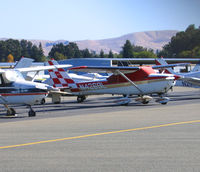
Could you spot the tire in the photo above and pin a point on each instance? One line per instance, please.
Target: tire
(145, 102)
(42, 101)
(164, 103)
(11, 112)
(80, 99)
(31, 113)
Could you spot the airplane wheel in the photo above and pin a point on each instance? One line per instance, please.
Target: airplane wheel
(125, 104)
(42, 101)
(145, 102)
(80, 99)
(11, 112)
(31, 113)
(164, 103)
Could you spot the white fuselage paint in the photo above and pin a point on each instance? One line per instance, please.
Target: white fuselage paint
(158, 86)
(21, 99)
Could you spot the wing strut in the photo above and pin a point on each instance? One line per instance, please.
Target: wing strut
(141, 92)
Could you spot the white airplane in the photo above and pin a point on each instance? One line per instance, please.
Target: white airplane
(14, 89)
(37, 77)
(190, 79)
(140, 81)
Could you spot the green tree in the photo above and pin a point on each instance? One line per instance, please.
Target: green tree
(70, 51)
(85, 53)
(110, 55)
(59, 56)
(20, 48)
(138, 48)
(3, 51)
(127, 50)
(101, 55)
(182, 43)
(144, 54)
(24, 48)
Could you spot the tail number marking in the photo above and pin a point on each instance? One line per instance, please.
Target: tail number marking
(92, 86)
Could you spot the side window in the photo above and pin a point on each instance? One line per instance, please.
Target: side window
(1, 79)
(2, 83)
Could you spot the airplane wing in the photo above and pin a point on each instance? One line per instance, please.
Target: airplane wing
(192, 80)
(124, 69)
(104, 69)
(169, 65)
(41, 68)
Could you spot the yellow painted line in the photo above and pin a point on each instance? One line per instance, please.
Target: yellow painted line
(99, 134)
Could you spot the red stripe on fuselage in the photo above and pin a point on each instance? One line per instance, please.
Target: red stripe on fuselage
(22, 94)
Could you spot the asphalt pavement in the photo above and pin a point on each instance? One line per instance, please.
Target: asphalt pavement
(97, 135)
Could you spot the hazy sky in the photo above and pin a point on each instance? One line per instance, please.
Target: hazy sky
(93, 19)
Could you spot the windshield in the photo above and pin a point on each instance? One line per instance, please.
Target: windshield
(12, 76)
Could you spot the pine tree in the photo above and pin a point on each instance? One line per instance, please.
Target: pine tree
(110, 55)
(127, 50)
(102, 54)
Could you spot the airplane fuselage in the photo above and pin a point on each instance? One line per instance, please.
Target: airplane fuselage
(21, 92)
(116, 84)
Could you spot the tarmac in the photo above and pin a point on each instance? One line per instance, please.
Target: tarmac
(97, 135)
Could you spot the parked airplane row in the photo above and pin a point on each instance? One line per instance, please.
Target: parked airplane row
(14, 89)
(142, 81)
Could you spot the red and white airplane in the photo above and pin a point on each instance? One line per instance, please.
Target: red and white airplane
(141, 81)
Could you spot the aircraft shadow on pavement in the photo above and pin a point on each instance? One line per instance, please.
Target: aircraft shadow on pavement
(93, 103)
(3, 116)
(87, 105)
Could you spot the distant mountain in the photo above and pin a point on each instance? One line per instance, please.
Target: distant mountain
(149, 39)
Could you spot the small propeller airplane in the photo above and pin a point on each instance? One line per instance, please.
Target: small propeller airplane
(190, 79)
(14, 89)
(141, 81)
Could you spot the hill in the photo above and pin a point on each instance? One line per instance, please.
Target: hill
(149, 39)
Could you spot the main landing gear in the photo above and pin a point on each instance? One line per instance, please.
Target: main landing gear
(144, 99)
(31, 112)
(42, 101)
(163, 100)
(12, 113)
(124, 101)
(81, 98)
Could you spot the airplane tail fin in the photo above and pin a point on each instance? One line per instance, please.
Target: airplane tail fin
(161, 61)
(60, 77)
(23, 63)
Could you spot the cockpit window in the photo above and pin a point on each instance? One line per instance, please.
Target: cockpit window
(11, 76)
